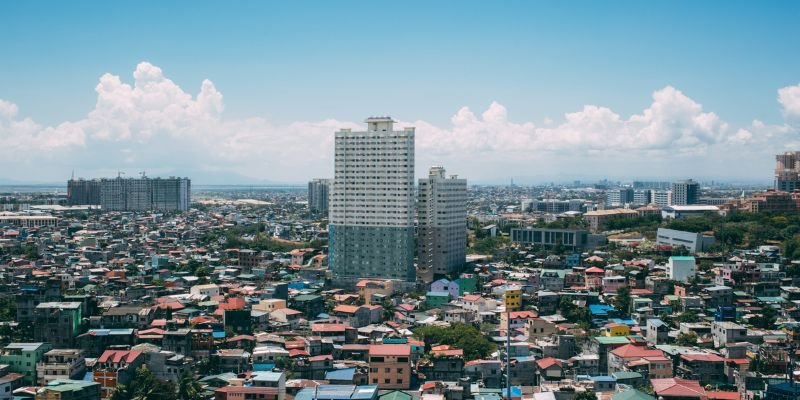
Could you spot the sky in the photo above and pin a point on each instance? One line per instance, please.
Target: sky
(252, 92)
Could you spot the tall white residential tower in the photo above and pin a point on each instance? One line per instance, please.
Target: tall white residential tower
(372, 203)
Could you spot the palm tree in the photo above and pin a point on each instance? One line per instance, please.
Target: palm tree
(189, 388)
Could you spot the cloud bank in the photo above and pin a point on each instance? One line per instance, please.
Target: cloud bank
(154, 124)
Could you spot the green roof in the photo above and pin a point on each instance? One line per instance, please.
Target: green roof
(395, 395)
(632, 394)
(306, 297)
(612, 339)
(683, 258)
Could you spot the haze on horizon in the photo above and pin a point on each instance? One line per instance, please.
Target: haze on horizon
(253, 92)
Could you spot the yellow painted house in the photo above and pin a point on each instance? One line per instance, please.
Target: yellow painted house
(616, 330)
(513, 299)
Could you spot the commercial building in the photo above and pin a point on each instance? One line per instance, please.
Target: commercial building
(685, 192)
(771, 201)
(619, 197)
(372, 203)
(145, 194)
(318, 193)
(597, 219)
(554, 206)
(676, 211)
(573, 239)
(442, 218)
(692, 241)
(661, 198)
(642, 197)
(787, 171)
(27, 221)
(83, 192)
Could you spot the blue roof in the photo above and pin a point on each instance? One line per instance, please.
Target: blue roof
(603, 378)
(437, 294)
(516, 391)
(218, 335)
(345, 374)
(599, 309)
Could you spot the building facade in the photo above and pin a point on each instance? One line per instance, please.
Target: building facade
(83, 192)
(442, 218)
(693, 242)
(318, 193)
(787, 171)
(685, 193)
(372, 203)
(145, 194)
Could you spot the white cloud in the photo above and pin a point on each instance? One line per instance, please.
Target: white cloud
(154, 124)
(789, 97)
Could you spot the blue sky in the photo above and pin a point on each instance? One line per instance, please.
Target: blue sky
(290, 62)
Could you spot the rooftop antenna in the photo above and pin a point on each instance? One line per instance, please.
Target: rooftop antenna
(142, 173)
(73, 174)
(119, 174)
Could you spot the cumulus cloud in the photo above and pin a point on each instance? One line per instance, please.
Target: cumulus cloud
(789, 98)
(153, 123)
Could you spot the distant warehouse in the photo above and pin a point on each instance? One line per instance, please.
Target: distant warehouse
(693, 242)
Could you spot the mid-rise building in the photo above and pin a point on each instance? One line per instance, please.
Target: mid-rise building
(693, 241)
(371, 226)
(442, 218)
(318, 192)
(681, 268)
(619, 197)
(642, 197)
(59, 364)
(83, 192)
(57, 323)
(573, 239)
(661, 198)
(390, 366)
(22, 358)
(787, 171)
(145, 194)
(685, 192)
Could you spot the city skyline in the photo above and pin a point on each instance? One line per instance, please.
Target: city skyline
(530, 99)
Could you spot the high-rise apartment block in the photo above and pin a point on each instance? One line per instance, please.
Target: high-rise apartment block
(685, 193)
(787, 171)
(371, 211)
(145, 194)
(83, 192)
(442, 218)
(318, 193)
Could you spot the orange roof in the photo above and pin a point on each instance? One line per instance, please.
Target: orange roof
(718, 395)
(328, 328)
(522, 314)
(595, 270)
(345, 309)
(702, 357)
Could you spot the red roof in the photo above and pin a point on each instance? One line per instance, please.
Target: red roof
(548, 362)
(297, 352)
(718, 395)
(389, 350)
(522, 314)
(116, 356)
(632, 351)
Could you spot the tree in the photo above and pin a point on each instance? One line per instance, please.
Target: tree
(687, 339)
(586, 395)
(462, 336)
(766, 320)
(189, 388)
(120, 393)
(688, 316)
(147, 387)
(622, 301)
